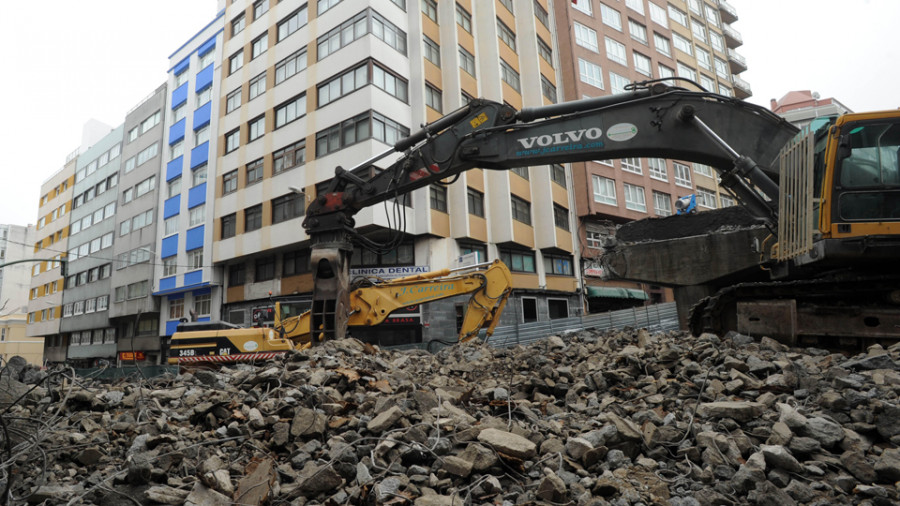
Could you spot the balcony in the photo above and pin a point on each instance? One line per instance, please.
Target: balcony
(741, 88)
(727, 12)
(733, 37)
(737, 62)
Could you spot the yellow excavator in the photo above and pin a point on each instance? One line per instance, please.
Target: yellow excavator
(371, 302)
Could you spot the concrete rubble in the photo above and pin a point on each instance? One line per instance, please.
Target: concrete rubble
(589, 418)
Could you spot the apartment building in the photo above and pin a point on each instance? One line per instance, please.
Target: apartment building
(604, 46)
(801, 107)
(187, 281)
(14, 342)
(51, 237)
(15, 280)
(133, 310)
(92, 226)
(308, 87)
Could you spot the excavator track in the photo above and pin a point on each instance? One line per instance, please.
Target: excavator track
(842, 311)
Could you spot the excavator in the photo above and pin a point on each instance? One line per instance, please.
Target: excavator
(372, 301)
(653, 118)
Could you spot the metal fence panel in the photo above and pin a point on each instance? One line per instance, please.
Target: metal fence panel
(657, 317)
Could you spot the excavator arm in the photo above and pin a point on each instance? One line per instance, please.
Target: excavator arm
(738, 139)
(372, 302)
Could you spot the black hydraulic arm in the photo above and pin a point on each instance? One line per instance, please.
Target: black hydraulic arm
(734, 137)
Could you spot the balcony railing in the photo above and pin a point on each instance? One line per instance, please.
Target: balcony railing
(738, 62)
(732, 37)
(740, 84)
(727, 12)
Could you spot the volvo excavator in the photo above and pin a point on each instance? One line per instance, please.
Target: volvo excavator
(741, 140)
(372, 301)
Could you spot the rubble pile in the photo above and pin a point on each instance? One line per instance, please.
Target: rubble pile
(589, 418)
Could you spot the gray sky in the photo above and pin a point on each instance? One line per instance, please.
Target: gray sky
(73, 61)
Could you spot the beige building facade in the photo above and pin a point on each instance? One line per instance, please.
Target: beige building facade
(308, 87)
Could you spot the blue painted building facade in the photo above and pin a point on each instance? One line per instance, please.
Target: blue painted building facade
(188, 283)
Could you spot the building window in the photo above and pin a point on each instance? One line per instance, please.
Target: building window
(257, 86)
(642, 64)
(506, 35)
(665, 72)
(616, 51)
(548, 89)
(558, 174)
(632, 165)
(520, 171)
(584, 6)
(617, 83)
(662, 44)
(463, 18)
(433, 97)
(171, 225)
(557, 265)
(707, 83)
(634, 198)
(176, 150)
(254, 171)
(290, 111)
(342, 85)
(682, 174)
(432, 50)
(202, 304)
(466, 61)
(257, 128)
(198, 176)
(586, 38)
(686, 72)
(545, 51)
(390, 83)
(265, 269)
(259, 46)
(561, 217)
(636, 5)
(662, 203)
(611, 17)
(253, 218)
(475, 200)
(682, 44)
(229, 225)
(201, 135)
(292, 23)
(195, 259)
(324, 5)
(638, 31)
(232, 140)
(403, 255)
(706, 198)
(594, 239)
(438, 198)
(229, 182)
(176, 309)
(722, 68)
(699, 30)
(236, 62)
(356, 129)
(197, 215)
(590, 73)
(289, 157)
(288, 207)
(508, 4)
(658, 169)
(236, 274)
(260, 7)
(429, 8)
(295, 262)
(604, 190)
(678, 16)
(518, 261)
(290, 66)
(521, 209)
(509, 75)
(717, 42)
(704, 170)
(727, 201)
(170, 267)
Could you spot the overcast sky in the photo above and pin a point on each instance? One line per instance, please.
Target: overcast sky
(73, 61)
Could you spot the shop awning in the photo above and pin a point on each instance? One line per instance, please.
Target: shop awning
(614, 292)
